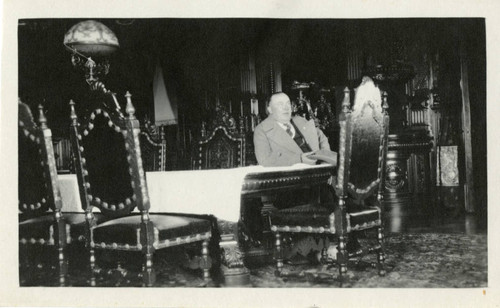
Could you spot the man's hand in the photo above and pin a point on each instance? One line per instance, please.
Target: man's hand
(306, 160)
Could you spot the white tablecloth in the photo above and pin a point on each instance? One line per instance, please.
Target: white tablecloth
(216, 192)
(70, 195)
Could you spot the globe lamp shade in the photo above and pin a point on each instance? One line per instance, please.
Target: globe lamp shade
(92, 39)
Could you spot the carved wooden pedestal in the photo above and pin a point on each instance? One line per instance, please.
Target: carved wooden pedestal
(232, 267)
(408, 171)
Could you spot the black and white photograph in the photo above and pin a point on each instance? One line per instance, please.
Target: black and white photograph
(292, 153)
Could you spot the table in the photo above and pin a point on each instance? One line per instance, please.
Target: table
(70, 195)
(222, 193)
(209, 192)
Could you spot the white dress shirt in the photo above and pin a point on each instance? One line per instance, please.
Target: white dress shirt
(292, 128)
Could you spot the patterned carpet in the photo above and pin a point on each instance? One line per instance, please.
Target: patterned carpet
(426, 260)
(412, 261)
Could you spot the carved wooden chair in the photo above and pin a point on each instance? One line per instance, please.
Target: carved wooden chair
(40, 220)
(221, 149)
(153, 148)
(223, 146)
(358, 186)
(111, 178)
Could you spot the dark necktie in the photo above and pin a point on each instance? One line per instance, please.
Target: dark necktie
(288, 129)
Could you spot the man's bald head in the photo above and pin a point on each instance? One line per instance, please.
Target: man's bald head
(279, 107)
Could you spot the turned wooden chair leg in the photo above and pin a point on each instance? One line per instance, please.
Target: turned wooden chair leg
(23, 256)
(92, 267)
(278, 254)
(149, 275)
(380, 252)
(62, 266)
(206, 264)
(342, 256)
(25, 263)
(324, 255)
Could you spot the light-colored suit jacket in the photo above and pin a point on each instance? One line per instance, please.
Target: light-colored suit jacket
(274, 147)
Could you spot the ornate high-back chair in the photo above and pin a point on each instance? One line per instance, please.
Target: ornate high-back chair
(358, 186)
(360, 174)
(40, 222)
(111, 178)
(222, 147)
(153, 148)
(220, 150)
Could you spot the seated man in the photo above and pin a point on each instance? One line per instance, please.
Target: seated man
(280, 140)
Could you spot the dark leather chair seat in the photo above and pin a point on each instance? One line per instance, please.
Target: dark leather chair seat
(367, 218)
(319, 216)
(39, 228)
(77, 223)
(124, 230)
(304, 215)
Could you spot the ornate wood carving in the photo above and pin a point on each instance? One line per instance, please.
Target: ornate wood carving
(395, 177)
(223, 118)
(154, 149)
(408, 165)
(314, 105)
(257, 184)
(220, 150)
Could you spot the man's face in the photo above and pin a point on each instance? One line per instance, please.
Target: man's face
(280, 108)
